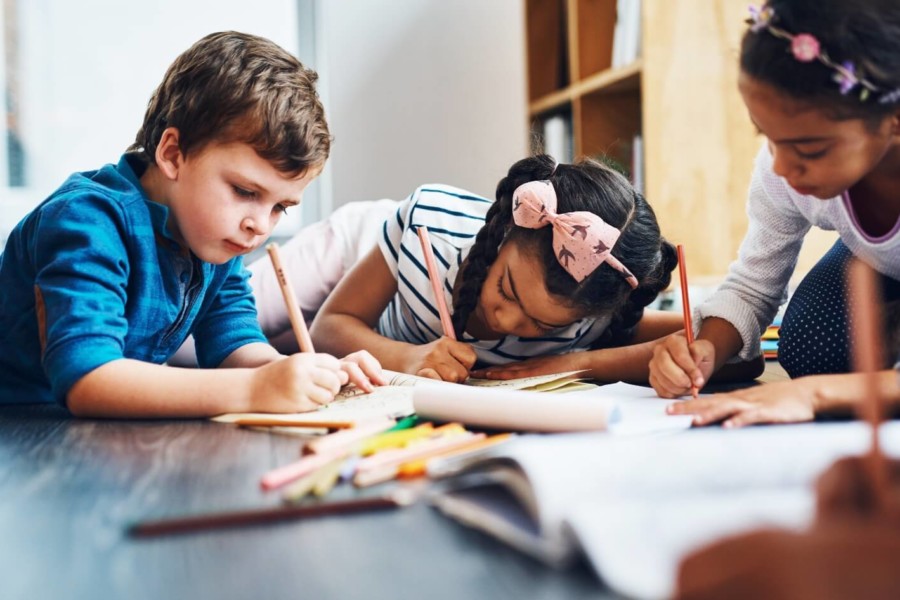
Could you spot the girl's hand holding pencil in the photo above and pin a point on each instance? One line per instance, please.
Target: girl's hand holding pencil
(677, 366)
(444, 359)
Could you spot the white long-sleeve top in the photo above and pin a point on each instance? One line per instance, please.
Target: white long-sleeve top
(780, 217)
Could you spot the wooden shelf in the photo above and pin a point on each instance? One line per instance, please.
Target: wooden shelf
(679, 98)
(610, 80)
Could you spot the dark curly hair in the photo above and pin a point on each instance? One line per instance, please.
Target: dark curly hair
(237, 87)
(866, 32)
(586, 185)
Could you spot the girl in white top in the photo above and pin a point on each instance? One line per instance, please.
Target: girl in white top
(516, 291)
(821, 80)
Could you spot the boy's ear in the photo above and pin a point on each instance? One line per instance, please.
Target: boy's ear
(168, 153)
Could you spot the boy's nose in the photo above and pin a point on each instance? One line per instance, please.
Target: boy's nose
(256, 225)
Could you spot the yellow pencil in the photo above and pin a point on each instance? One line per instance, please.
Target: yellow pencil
(290, 300)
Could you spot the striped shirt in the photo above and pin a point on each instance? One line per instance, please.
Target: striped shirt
(453, 217)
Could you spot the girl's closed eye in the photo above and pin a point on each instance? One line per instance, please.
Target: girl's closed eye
(811, 155)
(502, 292)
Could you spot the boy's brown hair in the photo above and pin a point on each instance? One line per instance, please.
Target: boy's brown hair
(236, 87)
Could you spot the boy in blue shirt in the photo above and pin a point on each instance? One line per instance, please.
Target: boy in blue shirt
(104, 280)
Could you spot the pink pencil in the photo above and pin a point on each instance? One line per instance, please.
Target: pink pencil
(431, 265)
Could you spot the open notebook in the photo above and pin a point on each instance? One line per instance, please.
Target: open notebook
(396, 399)
(635, 506)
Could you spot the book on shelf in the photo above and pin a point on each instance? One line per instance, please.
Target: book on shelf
(627, 33)
(634, 506)
(637, 162)
(557, 137)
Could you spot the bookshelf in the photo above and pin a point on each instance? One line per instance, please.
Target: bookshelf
(672, 112)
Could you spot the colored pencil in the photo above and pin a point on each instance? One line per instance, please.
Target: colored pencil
(431, 265)
(686, 305)
(290, 300)
(868, 358)
(396, 499)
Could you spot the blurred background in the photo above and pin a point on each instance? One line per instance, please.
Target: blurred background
(416, 91)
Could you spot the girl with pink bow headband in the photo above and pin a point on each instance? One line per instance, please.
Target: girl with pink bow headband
(554, 275)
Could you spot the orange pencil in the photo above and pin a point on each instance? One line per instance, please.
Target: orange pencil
(431, 265)
(290, 300)
(868, 358)
(686, 305)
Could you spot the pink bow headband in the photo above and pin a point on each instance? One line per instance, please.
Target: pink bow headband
(582, 241)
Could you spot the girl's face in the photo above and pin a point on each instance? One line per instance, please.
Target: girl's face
(815, 154)
(515, 300)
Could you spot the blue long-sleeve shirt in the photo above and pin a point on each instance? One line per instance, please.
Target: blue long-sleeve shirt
(93, 275)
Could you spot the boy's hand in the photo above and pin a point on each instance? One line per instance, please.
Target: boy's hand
(543, 365)
(444, 359)
(675, 366)
(783, 402)
(363, 369)
(296, 383)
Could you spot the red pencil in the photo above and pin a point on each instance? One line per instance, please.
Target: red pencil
(431, 265)
(396, 499)
(686, 304)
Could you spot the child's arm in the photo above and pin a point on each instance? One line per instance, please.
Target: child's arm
(347, 320)
(624, 363)
(788, 401)
(127, 388)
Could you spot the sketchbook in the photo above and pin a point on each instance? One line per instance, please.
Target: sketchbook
(635, 506)
(395, 400)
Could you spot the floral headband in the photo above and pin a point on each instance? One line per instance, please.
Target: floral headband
(806, 48)
(582, 241)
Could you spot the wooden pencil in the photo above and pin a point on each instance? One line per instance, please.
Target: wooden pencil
(431, 266)
(686, 305)
(290, 301)
(273, 514)
(868, 358)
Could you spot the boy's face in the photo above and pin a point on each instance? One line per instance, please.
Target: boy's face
(225, 199)
(816, 154)
(514, 299)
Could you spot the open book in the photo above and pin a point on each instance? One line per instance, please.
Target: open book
(396, 399)
(635, 506)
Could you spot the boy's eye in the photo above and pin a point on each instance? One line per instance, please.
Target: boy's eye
(280, 208)
(241, 192)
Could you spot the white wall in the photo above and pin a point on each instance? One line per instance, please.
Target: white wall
(89, 67)
(422, 91)
(416, 91)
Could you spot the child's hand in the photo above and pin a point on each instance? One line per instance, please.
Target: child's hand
(443, 359)
(675, 366)
(296, 383)
(783, 402)
(543, 365)
(363, 370)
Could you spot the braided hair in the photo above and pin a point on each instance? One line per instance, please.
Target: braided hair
(586, 185)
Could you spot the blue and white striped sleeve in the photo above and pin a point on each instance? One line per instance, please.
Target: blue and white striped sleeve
(392, 233)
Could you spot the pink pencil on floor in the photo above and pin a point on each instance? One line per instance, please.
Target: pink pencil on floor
(686, 305)
(290, 300)
(431, 265)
